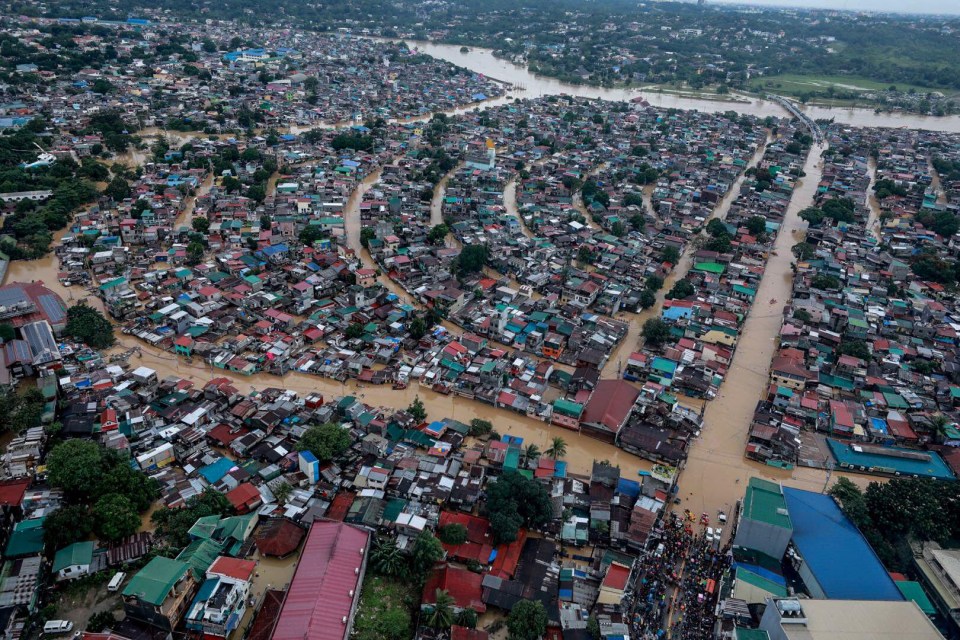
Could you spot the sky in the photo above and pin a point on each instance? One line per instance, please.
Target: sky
(923, 6)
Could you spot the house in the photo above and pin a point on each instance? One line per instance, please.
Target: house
(322, 599)
(465, 587)
(608, 408)
(160, 593)
(221, 601)
(73, 561)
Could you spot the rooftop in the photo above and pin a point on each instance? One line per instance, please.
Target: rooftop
(764, 502)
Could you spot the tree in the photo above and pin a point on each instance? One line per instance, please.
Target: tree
(717, 228)
(311, 233)
(514, 501)
(172, 525)
(467, 618)
(655, 332)
(135, 485)
(88, 325)
(282, 492)
(354, 331)
(531, 452)
(654, 282)
(441, 613)
(418, 328)
(682, 289)
(527, 620)
(855, 348)
(756, 225)
(366, 235)
(472, 259)
(426, 552)
(825, 281)
(647, 299)
(66, 525)
(386, 559)
(670, 254)
(803, 250)
(76, 466)
(325, 441)
(115, 517)
(437, 234)
(557, 448)
(453, 534)
(195, 252)
(417, 410)
(118, 189)
(257, 193)
(100, 621)
(480, 427)
(201, 224)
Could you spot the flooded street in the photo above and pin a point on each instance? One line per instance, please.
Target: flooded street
(716, 468)
(716, 471)
(436, 204)
(873, 221)
(618, 358)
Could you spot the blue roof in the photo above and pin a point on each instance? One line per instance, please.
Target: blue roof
(837, 554)
(213, 473)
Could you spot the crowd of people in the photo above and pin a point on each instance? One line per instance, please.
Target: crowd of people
(675, 594)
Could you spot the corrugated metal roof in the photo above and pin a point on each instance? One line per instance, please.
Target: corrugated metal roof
(320, 597)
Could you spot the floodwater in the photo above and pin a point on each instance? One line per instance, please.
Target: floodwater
(618, 359)
(529, 85)
(716, 467)
(873, 220)
(436, 204)
(716, 471)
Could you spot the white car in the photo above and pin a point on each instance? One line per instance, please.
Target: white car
(57, 627)
(709, 535)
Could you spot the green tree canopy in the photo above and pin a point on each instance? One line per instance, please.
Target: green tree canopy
(527, 620)
(88, 325)
(325, 441)
(115, 517)
(655, 332)
(513, 501)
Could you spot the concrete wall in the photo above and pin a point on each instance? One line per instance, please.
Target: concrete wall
(763, 537)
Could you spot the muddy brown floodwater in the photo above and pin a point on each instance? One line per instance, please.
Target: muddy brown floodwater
(716, 471)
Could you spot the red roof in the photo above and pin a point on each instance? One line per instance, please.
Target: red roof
(616, 577)
(464, 586)
(610, 404)
(279, 538)
(326, 585)
(233, 567)
(11, 492)
(243, 497)
(463, 633)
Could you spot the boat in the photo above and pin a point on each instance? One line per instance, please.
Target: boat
(399, 384)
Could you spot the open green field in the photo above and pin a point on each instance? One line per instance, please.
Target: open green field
(794, 85)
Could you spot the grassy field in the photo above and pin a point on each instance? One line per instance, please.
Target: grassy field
(385, 609)
(793, 85)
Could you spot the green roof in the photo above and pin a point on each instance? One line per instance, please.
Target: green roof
(709, 267)
(152, 583)
(200, 554)
(78, 553)
(913, 591)
(751, 634)
(764, 502)
(26, 539)
(568, 408)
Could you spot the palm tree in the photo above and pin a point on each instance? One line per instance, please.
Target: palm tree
(387, 559)
(282, 492)
(532, 451)
(557, 448)
(442, 615)
(938, 425)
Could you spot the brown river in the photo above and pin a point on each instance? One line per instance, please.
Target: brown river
(716, 470)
